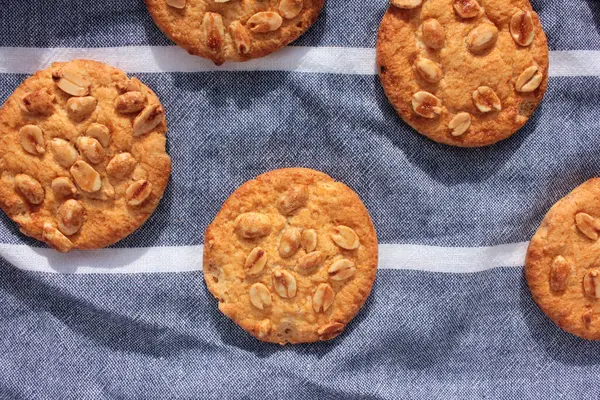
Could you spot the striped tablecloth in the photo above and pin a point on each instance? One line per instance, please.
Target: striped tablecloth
(450, 315)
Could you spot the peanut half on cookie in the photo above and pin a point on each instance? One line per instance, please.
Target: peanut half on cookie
(233, 30)
(562, 266)
(291, 256)
(82, 155)
(466, 73)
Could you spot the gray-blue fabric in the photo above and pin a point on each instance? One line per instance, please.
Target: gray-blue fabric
(420, 334)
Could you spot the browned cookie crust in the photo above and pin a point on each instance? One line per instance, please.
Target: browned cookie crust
(463, 72)
(291, 256)
(563, 262)
(233, 30)
(82, 155)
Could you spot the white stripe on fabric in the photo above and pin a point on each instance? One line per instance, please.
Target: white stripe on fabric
(451, 259)
(104, 261)
(330, 60)
(334, 60)
(189, 258)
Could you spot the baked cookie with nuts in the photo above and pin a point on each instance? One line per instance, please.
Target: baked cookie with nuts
(562, 266)
(291, 256)
(82, 155)
(233, 30)
(466, 73)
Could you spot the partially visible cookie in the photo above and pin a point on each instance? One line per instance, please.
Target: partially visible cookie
(291, 256)
(563, 262)
(466, 73)
(233, 30)
(82, 155)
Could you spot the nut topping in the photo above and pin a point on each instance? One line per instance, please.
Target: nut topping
(148, 119)
(54, 238)
(587, 225)
(121, 165)
(30, 188)
(256, 261)
(294, 198)
(459, 123)
(107, 191)
(284, 284)
(345, 237)
(308, 262)
(72, 76)
(330, 330)
(560, 271)
(467, 8)
(86, 177)
(521, 28)
(591, 284)
(129, 85)
(433, 34)
(486, 100)
(322, 298)
(91, 149)
(72, 82)
(71, 88)
(38, 102)
(482, 38)
(138, 192)
(426, 105)
(130, 102)
(252, 225)
(241, 37)
(176, 3)
(289, 242)
(213, 31)
(32, 140)
(80, 108)
(70, 217)
(260, 296)
(406, 4)
(63, 187)
(309, 240)
(100, 133)
(64, 152)
(341, 270)
(263, 328)
(286, 326)
(265, 21)
(428, 70)
(529, 80)
(290, 8)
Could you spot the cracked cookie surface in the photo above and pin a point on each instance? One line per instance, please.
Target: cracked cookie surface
(291, 256)
(562, 266)
(466, 73)
(233, 30)
(82, 155)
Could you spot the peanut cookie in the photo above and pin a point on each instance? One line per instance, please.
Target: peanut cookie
(563, 264)
(82, 155)
(233, 30)
(291, 256)
(466, 73)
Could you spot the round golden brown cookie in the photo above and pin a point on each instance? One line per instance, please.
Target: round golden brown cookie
(291, 256)
(563, 264)
(466, 73)
(233, 30)
(82, 155)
